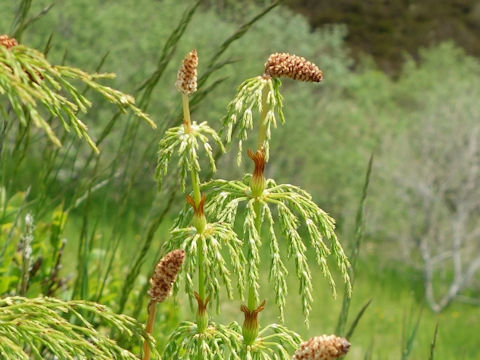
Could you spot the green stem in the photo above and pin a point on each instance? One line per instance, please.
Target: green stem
(187, 123)
(252, 299)
(262, 134)
(201, 273)
(202, 319)
(197, 196)
(262, 128)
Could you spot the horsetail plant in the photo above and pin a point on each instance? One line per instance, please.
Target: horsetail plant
(161, 285)
(35, 88)
(202, 241)
(264, 200)
(185, 138)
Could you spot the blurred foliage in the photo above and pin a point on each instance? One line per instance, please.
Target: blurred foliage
(330, 130)
(434, 116)
(37, 273)
(387, 30)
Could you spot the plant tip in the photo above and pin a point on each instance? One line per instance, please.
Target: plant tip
(324, 347)
(293, 67)
(7, 41)
(187, 74)
(165, 273)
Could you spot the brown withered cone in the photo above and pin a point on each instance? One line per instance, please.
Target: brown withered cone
(293, 67)
(325, 347)
(165, 273)
(187, 74)
(258, 158)
(7, 41)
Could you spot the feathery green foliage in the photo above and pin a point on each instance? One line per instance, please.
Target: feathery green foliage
(225, 342)
(33, 87)
(290, 203)
(201, 242)
(185, 144)
(252, 95)
(217, 342)
(42, 328)
(342, 111)
(211, 243)
(273, 342)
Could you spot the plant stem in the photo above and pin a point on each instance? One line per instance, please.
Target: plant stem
(252, 299)
(197, 196)
(186, 114)
(201, 273)
(262, 128)
(202, 319)
(152, 308)
(262, 133)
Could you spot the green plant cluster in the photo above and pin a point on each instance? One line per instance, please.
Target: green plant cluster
(28, 80)
(45, 328)
(107, 206)
(212, 226)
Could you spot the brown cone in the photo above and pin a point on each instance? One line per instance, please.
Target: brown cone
(187, 74)
(165, 274)
(7, 41)
(325, 347)
(293, 67)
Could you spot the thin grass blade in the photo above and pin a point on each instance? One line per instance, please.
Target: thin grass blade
(434, 343)
(359, 235)
(357, 319)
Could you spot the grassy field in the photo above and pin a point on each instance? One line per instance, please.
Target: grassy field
(396, 302)
(397, 298)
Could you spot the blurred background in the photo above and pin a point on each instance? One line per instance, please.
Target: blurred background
(402, 82)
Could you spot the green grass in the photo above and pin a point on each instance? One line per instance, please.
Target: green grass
(395, 290)
(387, 329)
(395, 293)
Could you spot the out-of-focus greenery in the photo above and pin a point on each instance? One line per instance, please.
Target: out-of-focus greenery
(330, 131)
(388, 30)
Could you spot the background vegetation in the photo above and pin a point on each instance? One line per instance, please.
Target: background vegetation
(420, 125)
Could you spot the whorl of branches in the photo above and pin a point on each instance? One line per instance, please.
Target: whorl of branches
(43, 328)
(37, 90)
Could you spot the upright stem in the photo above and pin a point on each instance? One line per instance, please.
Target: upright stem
(262, 133)
(262, 128)
(152, 308)
(250, 326)
(202, 317)
(186, 113)
(197, 196)
(252, 299)
(201, 273)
